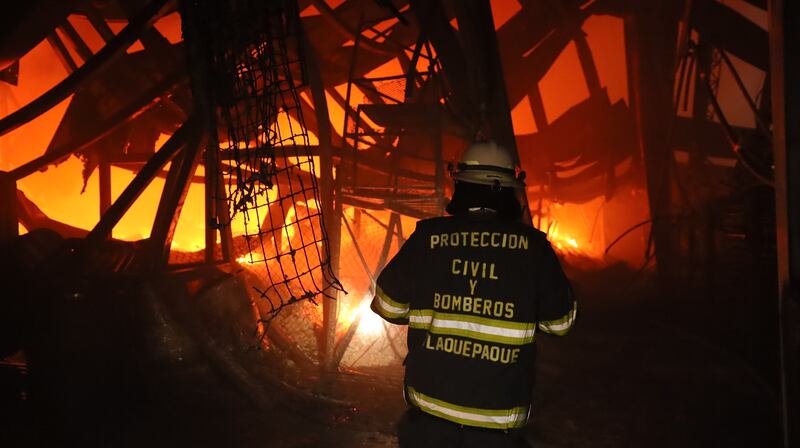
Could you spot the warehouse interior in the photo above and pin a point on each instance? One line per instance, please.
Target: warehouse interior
(197, 196)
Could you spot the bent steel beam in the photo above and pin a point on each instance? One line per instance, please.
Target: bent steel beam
(107, 222)
(147, 100)
(91, 68)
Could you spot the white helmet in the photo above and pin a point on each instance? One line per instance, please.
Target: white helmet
(487, 163)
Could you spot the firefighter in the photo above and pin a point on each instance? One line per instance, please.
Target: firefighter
(474, 288)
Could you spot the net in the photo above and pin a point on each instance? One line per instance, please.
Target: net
(249, 53)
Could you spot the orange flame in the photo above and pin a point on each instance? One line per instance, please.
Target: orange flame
(370, 324)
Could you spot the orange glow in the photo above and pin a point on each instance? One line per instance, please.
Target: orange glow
(562, 87)
(246, 259)
(390, 68)
(606, 38)
(41, 71)
(66, 203)
(370, 324)
(575, 228)
(564, 243)
(310, 11)
(296, 214)
(522, 117)
(503, 10)
(335, 112)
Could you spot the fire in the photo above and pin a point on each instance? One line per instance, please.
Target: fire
(293, 219)
(246, 259)
(575, 228)
(562, 241)
(370, 324)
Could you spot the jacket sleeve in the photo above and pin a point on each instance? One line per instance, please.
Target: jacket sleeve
(557, 306)
(394, 286)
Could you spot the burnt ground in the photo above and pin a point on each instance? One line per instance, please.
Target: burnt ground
(669, 366)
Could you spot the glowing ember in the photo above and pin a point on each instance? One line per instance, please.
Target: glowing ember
(562, 242)
(572, 242)
(247, 258)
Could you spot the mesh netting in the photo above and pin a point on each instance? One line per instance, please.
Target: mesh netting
(251, 52)
(374, 344)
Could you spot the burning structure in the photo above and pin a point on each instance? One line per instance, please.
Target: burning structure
(218, 183)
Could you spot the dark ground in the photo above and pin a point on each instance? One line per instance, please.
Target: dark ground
(644, 367)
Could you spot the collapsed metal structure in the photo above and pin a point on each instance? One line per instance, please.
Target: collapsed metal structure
(452, 83)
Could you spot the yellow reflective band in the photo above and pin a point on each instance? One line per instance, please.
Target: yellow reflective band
(482, 418)
(474, 327)
(387, 307)
(560, 327)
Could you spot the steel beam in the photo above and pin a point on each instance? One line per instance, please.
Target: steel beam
(331, 205)
(32, 217)
(173, 196)
(785, 69)
(223, 216)
(341, 347)
(728, 30)
(61, 52)
(651, 35)
(148, 99)
(435, 24)
(394, 221)
(94, 15)
(216, 207)
(102, 230)
(9, 224)
(211, 163)
(477, 31)
(76, 41)
(104, 178)
(91, 68)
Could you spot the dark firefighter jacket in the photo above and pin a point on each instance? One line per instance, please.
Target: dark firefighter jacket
(474, 291)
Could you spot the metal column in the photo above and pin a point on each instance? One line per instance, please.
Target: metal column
(9, 227)
(104, 176)
(650, 35)
(331, 207)
(784, 70)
